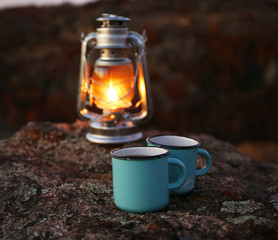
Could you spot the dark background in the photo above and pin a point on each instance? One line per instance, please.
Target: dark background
(213, 66)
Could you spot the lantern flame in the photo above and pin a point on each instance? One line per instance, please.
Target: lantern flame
(113, 86)
(112, 94)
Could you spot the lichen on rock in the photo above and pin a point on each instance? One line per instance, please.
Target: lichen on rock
(242, 219)
(241, 207)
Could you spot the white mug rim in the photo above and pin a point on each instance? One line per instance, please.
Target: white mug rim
(174, 146)
(143, 156)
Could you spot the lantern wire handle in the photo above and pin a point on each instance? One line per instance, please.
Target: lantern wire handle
(135, 75)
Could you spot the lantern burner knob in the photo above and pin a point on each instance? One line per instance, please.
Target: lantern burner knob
(108, 120)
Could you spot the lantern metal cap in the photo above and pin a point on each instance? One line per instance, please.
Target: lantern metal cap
(112, 17)
(112, 33)
(112, 20)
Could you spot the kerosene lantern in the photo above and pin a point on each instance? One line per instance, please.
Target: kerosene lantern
(114, 94)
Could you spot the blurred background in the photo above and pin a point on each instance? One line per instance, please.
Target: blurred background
(213, 65)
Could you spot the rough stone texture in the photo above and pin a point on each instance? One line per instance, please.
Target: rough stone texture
(56, 185)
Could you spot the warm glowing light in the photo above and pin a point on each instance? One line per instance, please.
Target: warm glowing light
(84, 111)
(113, 86)
(112, 95)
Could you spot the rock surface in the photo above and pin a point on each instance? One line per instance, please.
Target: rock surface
(55, 184)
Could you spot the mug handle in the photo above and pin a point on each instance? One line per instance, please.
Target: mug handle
(204, 170)
(183, 169)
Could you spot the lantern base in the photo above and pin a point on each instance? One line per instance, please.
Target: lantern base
(121, 133)
(113, 139)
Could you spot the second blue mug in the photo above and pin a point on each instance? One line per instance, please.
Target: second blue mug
(186, 150)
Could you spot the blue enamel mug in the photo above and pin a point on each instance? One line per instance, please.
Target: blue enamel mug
(187, 150)
(140, 178)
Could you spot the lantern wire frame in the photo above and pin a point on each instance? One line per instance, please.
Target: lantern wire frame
(95, 81)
